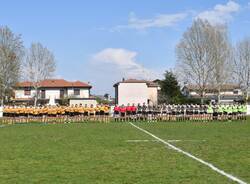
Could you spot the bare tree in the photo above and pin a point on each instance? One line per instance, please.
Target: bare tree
(11, 53)
(39, 65)
(194, 56)
(222, 58)
(242, 64)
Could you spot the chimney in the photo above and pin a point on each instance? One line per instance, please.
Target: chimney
(123, 79)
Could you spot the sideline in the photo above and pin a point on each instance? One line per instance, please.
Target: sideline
(211, 166)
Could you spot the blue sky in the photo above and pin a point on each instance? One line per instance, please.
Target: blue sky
(103, 41)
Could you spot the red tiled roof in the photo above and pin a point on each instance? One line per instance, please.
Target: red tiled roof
(149, 83)
(52, 83)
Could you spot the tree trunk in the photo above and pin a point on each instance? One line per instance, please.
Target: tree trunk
(247, 95)
(36, 96)
(218, 97)
(202, 98)
(35, 101)
(2, 98)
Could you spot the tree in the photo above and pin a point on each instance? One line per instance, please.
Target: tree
(222, 58)
(242, 64)
(170, 89)
(106, 96)
(11, 54)
(39, 65)
(202, 55)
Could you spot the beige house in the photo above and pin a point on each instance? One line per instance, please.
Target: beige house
(57, 89)
(136, 91)
(229, 93)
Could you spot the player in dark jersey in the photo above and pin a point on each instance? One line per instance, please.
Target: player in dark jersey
(149, 111)
(144, 112)
(139, 112)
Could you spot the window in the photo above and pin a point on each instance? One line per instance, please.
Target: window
(76, 92)
(27, 92)
(43, 94)
(236, 92)
(62, 92)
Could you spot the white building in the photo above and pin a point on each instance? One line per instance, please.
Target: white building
(136, 91)
(59, 89)
(229, 93)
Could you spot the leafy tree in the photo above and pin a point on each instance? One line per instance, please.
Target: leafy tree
(170, 89)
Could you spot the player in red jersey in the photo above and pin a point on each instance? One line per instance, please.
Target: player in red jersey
(133, 111)
(116, 112)
(128, 112)
(123, 110)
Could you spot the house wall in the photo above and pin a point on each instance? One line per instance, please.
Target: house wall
(193, 93)
(83, 102)
(19, 93)
(53, 93)
(84, 93)
(135, 93)
(153, 95)
(132, 93)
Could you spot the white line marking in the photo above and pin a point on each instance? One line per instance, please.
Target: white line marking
(142, 140)
(186, 140)
(146, 140)
(191, 156)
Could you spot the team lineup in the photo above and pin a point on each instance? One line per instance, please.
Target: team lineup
(140, 112)
(125, 92)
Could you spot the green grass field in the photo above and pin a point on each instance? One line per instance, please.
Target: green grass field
(109, 153)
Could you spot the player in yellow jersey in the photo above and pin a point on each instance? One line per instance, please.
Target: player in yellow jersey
(7, 114)
(11, 114)
(16, 113)
(71, 112)
(44, 112)
(106, 113)
(86, 112)
(81, 112)
(91, 112)
(22, 114)
(101, 109)
(35, 114)
(97, 112)
(60, 114)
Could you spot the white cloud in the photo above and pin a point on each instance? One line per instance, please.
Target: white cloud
(221, 13)
(159, 21)
(124, 62)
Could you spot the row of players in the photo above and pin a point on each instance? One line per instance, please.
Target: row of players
(56, 114)
(73, 110)
(131, 112)
(177, 109)
(181, 112)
